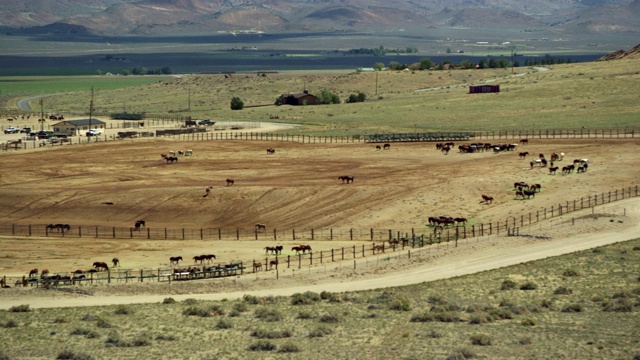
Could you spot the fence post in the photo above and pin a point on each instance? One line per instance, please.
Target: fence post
(331, 234)
(201, 234)
(371, 230)
(113, 229)
(275, 235)
(182, 233)
(312, 234)
(165, 233)
(237, 234)
(332, 260)
(350, 234)
(293, 231)
(219, 233)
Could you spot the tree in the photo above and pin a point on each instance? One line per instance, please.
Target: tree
(394, 65)
(378, 66)
(353, 98)
(166, 70)
(425, 64)
(327, 97)
(237, 103)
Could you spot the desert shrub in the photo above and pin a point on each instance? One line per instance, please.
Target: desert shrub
(435, 316)
(165, 338)
(331, 297)
(562, 290)
(70, 355)
(480, 319)
(597, 250)
(115, 340)
(529, 285)
(289, 347)
(461, 354)
(61, 320)
(434, 334)
(636, 248)
(190, 301)
(480, 339)
(20, 308)
(618, 305)
(304, 315)
(195, 311)
(270, 334)
(330, 318)
(88, 317)
(445, 308)
(262, 345)
(572, 308)
(528, 322)
(270, 315)
(169, 300)
(141, 340)
(234, 313)
(547, 303)
(437, 300)
(508, 285)
(123, 310)
(570, 272)
(102, 323)
(10, 324)
(524, 341)
(223, 324)
(370, 316)
(253, 300)
(216, 310)
(501, 313)
(241, 307)
(306, 298)
(400, 304)
(321, 331)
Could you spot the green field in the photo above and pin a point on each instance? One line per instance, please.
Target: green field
(579, 306)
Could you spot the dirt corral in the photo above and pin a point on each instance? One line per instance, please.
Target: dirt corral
(298, 186)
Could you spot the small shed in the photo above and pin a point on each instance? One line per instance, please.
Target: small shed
(303, 98)
(77, 126)
(484, 88)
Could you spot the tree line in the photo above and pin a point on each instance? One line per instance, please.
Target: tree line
(491, 63)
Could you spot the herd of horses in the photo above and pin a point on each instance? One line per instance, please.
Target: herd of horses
(59, 227)
(348, 179)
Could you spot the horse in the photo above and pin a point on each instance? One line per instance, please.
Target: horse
(101, 265)
(207, 191)
(519, 193)
(270, 249)
(33, 272)
(523, 154)
(279, 249)
(346, 178)
(386, 147)
(445, 149)
(271, 151)
(536, 187)
(298, 249)
(273, 262)
(140, 223)
(524, 141)
(175, 260)
(261, 228)
(530, 193)
(257, 266)
(487, 199)
(198, 259)
(378, 147)
(115, 262)
(552, 170)
(208, 257)
(305, 248)
(544, 162)
(230, 182)
(169, 159)
(520, 184)
(460, 220)
(378, 248)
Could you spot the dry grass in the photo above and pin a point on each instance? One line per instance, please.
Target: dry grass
(597, 320)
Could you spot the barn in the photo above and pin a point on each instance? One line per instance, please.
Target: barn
(77, 126)
(303, 98)
(483, 88)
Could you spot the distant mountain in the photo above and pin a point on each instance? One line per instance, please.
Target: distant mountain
(633, 53)
(156, 17)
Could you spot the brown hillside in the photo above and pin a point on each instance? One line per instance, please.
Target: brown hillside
(633, 53)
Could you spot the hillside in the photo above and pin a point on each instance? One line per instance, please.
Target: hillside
(633, 53)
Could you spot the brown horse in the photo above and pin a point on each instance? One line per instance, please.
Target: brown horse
(115, 262)
(377, 248)
(552, 170)
(230, 182)
(487, 199)
(175, 260)
(273, 262)
(33, 272)
(270, 249)
(346, 178)
(386, 147)
(261, 228)
(523, 154)
(257, 266)
(271, 151)
(298, 249)
(198, 259)
(98, 265)
(524, 141)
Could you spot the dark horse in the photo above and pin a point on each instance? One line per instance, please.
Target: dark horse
(230, 182)
(101, 265)
(271, 151)
(261, 227)
(115, 262)
(175, 260)
(346, 178)
(140, 223)
(487, 199)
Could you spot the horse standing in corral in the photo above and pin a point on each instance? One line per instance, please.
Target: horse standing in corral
(101, 265)
(230, 182)
(175, 260)
(169, 159)
(378, 248)
(543, 162)
(33, 272)
(270, 249)
(207, 191)
(519, 193)
(386, 147)
(272, 263)
(523, 155)
(445, 149)
(530, 193)
(271, 151)
(552, 170)
(140, 223)
(378, 147)
(198, 259)
(261, 228)
(298, 249)
(536, 187)
(460, 220)
(524, 141)
(487, 199)
(115, 261)
(346, 178)
(520, 184)
(306, 248)
(209, 257)
(279, 249)
(257, 266)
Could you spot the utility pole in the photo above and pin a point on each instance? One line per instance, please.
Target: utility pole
(376, 83)
(189, 100)
(41, 120)
(91, 108)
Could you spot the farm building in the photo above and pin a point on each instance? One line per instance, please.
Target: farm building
(78, 126)
(484, 88)
(303, 98)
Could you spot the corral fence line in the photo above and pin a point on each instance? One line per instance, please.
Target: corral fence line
(427, 233)
(393, 243)
(205, 134)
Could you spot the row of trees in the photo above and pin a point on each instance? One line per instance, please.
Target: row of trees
(491, 63)
(380, 51)
(166, 70)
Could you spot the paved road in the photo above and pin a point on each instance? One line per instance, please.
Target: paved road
(23, 104)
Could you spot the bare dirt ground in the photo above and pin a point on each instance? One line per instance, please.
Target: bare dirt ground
(295, 188)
